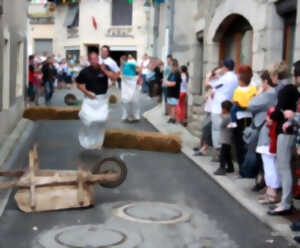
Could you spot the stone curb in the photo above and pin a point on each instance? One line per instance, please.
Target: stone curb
(237, 188)
(12, 139)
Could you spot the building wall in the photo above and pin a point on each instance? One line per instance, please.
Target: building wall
(39, 31)
(202, 18)
(13, 57)
(141, 29)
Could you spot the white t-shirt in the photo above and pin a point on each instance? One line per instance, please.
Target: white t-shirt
(224, 88)
(113, 66)
(184, 83)
(145, 64)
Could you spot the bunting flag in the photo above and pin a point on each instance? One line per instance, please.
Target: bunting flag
(95, 24)
(130, 1)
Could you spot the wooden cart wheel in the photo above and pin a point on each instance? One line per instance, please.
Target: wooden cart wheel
(111, 165)
(70, 99)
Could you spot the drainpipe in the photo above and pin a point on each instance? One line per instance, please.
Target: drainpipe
(170, 24)
(1, 54)
(156, 28)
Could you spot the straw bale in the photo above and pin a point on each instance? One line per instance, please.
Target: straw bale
(141, 140)
(51, 113)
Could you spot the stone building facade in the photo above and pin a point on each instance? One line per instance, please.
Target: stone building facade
(41, 28)
(255, 32)
(13, 63)
(88, 24)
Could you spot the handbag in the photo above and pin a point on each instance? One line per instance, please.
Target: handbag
(251, 134)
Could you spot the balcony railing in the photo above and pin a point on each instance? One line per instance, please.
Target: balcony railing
(72, 33)
(120, 32)
(36, 10)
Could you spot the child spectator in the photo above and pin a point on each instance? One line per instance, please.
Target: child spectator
(181, 108)
(267, 148)
(226, 164)
(243, 94)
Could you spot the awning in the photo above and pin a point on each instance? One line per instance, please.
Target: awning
(72, 17)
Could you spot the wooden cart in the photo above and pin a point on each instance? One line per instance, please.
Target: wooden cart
(47, 190)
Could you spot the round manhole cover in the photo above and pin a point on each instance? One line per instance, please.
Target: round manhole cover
(153, 212)
(94, 237)
(89, 236)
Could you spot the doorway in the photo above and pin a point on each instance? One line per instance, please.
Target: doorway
(116, 55)
(92, 48)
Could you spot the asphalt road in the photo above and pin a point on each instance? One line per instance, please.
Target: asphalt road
(172, 203)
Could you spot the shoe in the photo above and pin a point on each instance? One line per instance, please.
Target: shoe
(215, 160)
(200, 153)
(232, 125)
(281, 213)
(173, 121)
(297, 239)
(170, 120)
(196, 149)
(295, 227)
(220, 172)
(258, 187)
(230, 170)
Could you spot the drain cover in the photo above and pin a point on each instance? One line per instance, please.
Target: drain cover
(88, 236)
(153, 212)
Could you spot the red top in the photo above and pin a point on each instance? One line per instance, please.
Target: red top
(31, 74)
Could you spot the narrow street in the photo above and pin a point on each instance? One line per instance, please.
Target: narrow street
(166, 201)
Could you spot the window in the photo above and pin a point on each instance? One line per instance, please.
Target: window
(289, 38)
(72, 18)
(121, 13)
(20, 70)
(73, 56)
(236, 40)
(42, 46)
(6, 74)
(288, 11)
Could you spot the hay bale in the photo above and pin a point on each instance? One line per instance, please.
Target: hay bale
(51, 113)
(141, 140)
(112, 99)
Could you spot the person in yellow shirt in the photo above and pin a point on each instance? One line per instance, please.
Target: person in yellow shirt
(243, 94)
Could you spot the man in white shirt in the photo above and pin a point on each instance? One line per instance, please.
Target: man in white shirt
(145, 71)
(223, 91)
(107, 60)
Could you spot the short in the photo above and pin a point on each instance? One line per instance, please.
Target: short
(172, 101)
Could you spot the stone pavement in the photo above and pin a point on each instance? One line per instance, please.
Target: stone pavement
(239, 189)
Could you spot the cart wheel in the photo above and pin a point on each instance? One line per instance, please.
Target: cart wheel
(111, 165)
(70, 99)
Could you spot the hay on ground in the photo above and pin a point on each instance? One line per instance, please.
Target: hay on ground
(141, 140)
(51, 113)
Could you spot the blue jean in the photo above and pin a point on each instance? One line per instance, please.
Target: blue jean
(49, 90)
(145, 87)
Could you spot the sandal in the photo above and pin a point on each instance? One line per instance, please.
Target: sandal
(269, 200)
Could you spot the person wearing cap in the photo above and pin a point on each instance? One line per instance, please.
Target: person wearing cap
(223, 90)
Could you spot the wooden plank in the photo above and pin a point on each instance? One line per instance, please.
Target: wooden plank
(12, 173)
(32, 170)
(7, 185)
(80, 187)
(53, 198)
(70, 180)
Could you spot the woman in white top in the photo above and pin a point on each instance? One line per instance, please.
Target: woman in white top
(181, 110)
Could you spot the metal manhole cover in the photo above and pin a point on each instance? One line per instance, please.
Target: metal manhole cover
(94, 237)
(89, 236)
(153, 212)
